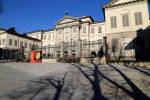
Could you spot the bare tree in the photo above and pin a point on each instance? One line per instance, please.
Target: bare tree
(117, 50)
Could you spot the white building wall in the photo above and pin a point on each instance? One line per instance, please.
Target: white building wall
(85, 35)
(96, 35)
(130, 9)
(36, 34)
(3, 36)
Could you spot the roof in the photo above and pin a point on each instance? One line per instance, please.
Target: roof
(12, 31)
(52, 29)
(83, 17)
(95, 22)
(34, 31)
(113, 3)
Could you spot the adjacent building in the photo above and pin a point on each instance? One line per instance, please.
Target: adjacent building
(11, 40)
(123, 19)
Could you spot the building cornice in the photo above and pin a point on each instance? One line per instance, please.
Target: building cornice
(34, 31)
(24, 36)
(111, 4)
(66, 23)
(84, 17)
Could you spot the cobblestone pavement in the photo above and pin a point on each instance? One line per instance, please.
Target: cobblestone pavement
(22, 81)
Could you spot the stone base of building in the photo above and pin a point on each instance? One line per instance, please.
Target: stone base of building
(95, 60)
(51, 61)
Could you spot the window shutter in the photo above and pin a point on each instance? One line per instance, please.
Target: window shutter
(125, 20)
(111, 20)
(99, 30)
(115, 22)
(138, 18)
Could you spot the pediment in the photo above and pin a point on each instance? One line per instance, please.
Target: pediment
(67, 19)
(117, 2)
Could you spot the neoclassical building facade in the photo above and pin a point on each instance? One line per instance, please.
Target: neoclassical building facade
(80, 36)
(72, 36)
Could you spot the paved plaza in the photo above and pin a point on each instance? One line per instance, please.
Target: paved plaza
(22, 81)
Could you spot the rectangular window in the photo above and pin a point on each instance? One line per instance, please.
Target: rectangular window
(44, 38)
(100, 41)
(84, 46)
(66, 43)
(41, 37)
(53, 36)
(59, 31)
(84, 29)
(21, 44)
(49, 37)
(113, 21)
(3, 41)
(26, 45)
(74, 29)
(138, 18)
(37, 36)
(0, 42)
(93, 44)
(125, 20)
(92, 30)
(99, 30)
(74, 42)
(84, 41)
(30, 46)
(15, 43)
(10, 42)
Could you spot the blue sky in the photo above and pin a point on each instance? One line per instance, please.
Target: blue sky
(30, 15)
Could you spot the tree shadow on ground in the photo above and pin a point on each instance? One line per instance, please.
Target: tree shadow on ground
(40, 89)
(137, 94)
(137, 68)
(94, 80)
(62, 87)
